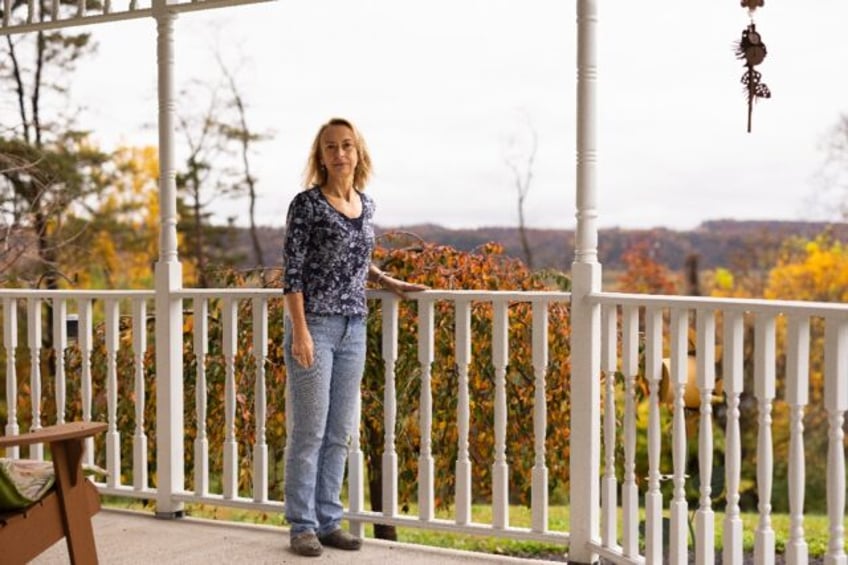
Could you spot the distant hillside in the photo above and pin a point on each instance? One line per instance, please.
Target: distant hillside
(716, 242)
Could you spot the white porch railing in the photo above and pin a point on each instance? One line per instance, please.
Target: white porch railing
(82, 305)
(638, 332)
(199, 306)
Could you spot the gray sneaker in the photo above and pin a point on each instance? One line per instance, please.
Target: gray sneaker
(341, 539)
(306, 544)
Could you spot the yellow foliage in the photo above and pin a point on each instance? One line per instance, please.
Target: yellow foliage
(124, 229)
(814, 270)
(723, 279)
(808, 270)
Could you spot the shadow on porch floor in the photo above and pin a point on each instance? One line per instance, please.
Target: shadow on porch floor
(125, 537)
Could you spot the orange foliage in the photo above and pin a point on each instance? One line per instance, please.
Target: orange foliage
(643, 274)
(438, 266)
(442, 267)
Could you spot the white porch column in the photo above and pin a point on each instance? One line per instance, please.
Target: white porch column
(169, 350)
(585, 438)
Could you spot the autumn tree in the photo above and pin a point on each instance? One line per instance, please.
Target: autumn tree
(643, 273)
(119, 246)
(801, 269)
(55, 168)
(810, 270)
(814, 270)
(747, 271)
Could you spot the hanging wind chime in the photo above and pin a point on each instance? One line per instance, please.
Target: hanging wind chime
(752, 51)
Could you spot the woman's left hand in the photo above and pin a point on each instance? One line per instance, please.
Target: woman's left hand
(400, 287)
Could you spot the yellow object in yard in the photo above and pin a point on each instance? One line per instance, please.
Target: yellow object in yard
(691, 394)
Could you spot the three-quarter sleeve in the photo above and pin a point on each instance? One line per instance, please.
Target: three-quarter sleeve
(298, 226)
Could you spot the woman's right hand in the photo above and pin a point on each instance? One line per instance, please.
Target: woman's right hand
(303, 350)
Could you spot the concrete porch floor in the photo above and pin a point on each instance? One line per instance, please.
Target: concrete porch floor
(125, 537)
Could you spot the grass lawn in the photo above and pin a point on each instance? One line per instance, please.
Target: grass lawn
(815, 527)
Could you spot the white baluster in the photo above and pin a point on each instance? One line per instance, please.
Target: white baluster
(86, 344)
(797, 396)
(540, 417)
(653, 498)
(500, 468)
(139, 436)
(60, 342)
(705, 517)
(764, 387)
(836, 402)
(463, 463)
(113, 437)
(609, 489)
(677, 379)
(390, 354)
(230, 346)
(201, 349)
(426, 473)
(629, 490)
(10, 343)
(733, 377)
(36, 450)
(260, 354)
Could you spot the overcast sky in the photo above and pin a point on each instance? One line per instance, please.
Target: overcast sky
(439, 89)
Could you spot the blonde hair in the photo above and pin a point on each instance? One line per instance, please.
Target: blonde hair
(316, 175)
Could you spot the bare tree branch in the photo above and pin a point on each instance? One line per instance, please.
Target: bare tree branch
(245, 138)
(36, 88)
(19, 87)
(522, 178)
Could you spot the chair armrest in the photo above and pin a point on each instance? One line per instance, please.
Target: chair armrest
(54, 434)
(67, 509)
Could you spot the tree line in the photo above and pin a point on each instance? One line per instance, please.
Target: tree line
(71, 211)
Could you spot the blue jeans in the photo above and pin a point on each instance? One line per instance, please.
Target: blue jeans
(323, 400)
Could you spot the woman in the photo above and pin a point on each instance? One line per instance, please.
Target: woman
(327, 258)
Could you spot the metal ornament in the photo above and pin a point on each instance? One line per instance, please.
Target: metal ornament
(752, 51)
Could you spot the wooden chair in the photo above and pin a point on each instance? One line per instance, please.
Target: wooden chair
(67, 508)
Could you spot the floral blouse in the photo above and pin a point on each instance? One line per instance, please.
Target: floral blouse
(326, 255)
